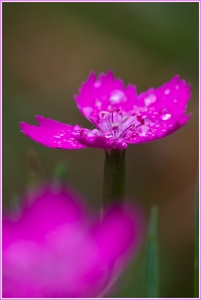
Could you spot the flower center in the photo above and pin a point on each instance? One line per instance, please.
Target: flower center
(118, 125)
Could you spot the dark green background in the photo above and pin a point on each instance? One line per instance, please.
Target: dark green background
(48, 50)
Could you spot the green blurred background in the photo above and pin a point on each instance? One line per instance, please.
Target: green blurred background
(48, 51)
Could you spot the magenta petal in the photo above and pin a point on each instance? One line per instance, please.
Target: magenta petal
(100, 94)
(120, 116)
(102, 142)
(10, 232)
(59, 206)
(158, 129)
(173, 96)
(52, 133)
(56, 249)
(119, 233)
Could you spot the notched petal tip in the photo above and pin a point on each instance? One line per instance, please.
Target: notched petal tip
(22, 125)
(176, 77)
(39, 117)
(91, 78)
(52, 133)
(107, 75)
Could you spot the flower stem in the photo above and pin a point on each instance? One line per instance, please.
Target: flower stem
(114, 176)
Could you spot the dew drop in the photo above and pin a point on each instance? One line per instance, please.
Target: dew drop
(142, 130)
(87, 110)
(148, 122)
(76, 127)
(97, 84)
(117, 96)
(92, 133)
(177, 87)
(167, 91)
(150, 99)
(109, 135)
(166, 117)
(59, 145)
(175, 100)
(76, 133)
(98, 103)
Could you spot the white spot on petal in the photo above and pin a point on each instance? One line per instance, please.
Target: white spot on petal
(167, 91)
(87, 110)
(92, 133)
(166, 117)
(150, 99)
(142, 130)
(76, 127)
(98, 103)
(117, 96)
(165, 114)
(148, 122)
(97, 84)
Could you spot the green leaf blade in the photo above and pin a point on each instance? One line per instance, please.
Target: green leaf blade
(152, 257)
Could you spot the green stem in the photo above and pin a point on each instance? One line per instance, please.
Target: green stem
(114, 176)
(152, 264)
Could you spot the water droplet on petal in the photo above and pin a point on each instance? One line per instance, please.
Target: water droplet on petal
(117, 96)
(148, 122)
(97, 84)
(87, 110)
(175, 100)
(142, 130)
(124, 145)
(166, 116)
(177, 87)
(76, 127)
(76, 132)
(150, 99)
(92, 133)
(98, 103)
(167, 91)
(108, 135)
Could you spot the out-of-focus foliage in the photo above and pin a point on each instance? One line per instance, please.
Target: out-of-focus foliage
(48, 50)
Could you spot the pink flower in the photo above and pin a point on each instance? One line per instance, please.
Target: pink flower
(56, 249)
(120, 116)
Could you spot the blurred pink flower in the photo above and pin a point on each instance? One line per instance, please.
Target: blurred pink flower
(121, 117)
(56, 249)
